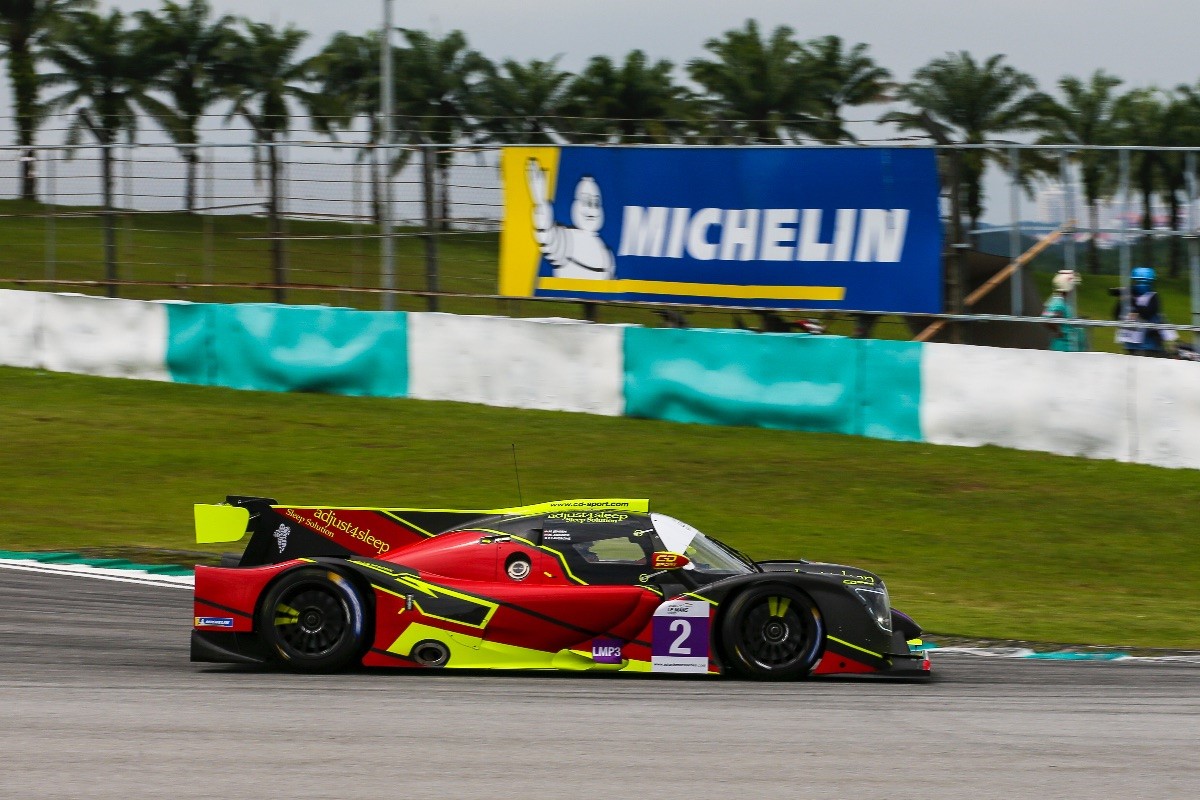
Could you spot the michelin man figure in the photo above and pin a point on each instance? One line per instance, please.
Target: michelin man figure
(575, 251)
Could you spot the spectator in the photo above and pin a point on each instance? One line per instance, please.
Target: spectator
(1067, 338)
(1142, 305)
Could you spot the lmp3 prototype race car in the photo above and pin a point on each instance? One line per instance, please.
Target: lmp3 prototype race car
(586, 585)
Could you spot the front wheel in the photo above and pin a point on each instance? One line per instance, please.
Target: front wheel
(313, 620)
(772, 632)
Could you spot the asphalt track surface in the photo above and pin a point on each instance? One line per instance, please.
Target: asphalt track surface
(98, 700)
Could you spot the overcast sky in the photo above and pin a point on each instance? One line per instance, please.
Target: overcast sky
(1148, 42)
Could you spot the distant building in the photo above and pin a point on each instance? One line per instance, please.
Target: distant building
(1052, 210)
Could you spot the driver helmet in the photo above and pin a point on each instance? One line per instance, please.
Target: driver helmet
(1065, 280)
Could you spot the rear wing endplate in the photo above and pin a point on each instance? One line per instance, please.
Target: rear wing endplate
(220, 523)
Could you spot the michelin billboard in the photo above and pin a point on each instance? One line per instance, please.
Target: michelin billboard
(835, 228)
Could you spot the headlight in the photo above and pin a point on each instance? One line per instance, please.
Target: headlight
(879, 606)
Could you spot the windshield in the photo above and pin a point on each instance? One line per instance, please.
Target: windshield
(706, 555)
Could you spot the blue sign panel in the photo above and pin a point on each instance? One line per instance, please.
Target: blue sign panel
(848, 228)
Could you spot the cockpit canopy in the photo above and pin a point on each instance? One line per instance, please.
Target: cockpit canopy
(617, 546)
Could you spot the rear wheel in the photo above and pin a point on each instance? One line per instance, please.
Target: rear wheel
(314, 620)
(772, 632)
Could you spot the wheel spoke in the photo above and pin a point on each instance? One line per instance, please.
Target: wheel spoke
(311, 619)
(776, 632)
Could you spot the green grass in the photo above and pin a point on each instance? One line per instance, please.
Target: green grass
(982, 542)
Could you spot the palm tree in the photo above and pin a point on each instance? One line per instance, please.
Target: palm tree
(635, 99)
(191, 46)
(106, 73)
(1142, 117)
(842, 78)
(26, 29)
(759, 86)
(436, 96)
(1085, 118)
(265, 77)
(517, 102)
(346, 72)
(1184, 119)
(968, 102)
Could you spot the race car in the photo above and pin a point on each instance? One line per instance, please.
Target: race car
(588, 585)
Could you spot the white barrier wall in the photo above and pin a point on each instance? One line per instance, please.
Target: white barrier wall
(1165, 400)
(85, 335)
(1073, 404)
(1095, 405)
(555, 365)
(20, 316)
(103, 336)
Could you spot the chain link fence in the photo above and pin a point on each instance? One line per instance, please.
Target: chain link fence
(304, 223)
(232, 223)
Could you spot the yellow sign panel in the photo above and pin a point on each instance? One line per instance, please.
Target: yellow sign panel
(519, 251)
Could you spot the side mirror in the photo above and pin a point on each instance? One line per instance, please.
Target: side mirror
(664, 559)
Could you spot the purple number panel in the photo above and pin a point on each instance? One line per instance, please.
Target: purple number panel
(680, 637)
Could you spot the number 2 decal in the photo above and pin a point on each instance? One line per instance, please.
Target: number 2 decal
(685, 630)
(679, 637)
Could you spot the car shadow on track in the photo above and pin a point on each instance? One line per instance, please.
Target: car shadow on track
(557, 675)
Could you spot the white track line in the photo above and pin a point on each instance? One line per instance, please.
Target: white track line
(100, 573)
(993, 652)
(1025, 652)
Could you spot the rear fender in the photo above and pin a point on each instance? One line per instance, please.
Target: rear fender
(225, 600)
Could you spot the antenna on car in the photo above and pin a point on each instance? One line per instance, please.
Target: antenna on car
(517, 472)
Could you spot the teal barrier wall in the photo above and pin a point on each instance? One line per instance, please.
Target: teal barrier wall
(289, 348)
(790, 381)
(889, 394)
(189, 342)
(717, 377)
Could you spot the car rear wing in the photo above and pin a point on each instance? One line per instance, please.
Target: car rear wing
(228, 521)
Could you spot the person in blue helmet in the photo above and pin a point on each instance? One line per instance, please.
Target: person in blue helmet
(1143, 306)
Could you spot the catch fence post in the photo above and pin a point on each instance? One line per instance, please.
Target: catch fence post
(1017, 287)
(108, 218)
(50, 210)
(958, 247)
(1069, 218)
(429, 192)
(1126, 255)
(206, 235)
(387, 256)
(1193, 232)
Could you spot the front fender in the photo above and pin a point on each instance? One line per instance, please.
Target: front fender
(846, 617)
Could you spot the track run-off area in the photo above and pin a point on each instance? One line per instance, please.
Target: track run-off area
(99, 700)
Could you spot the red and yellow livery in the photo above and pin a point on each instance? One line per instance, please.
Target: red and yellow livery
(598, 585)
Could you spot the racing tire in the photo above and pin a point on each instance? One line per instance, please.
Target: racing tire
(314, 620)
(772, 632)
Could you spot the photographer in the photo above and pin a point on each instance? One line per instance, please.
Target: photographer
(1142, 306)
